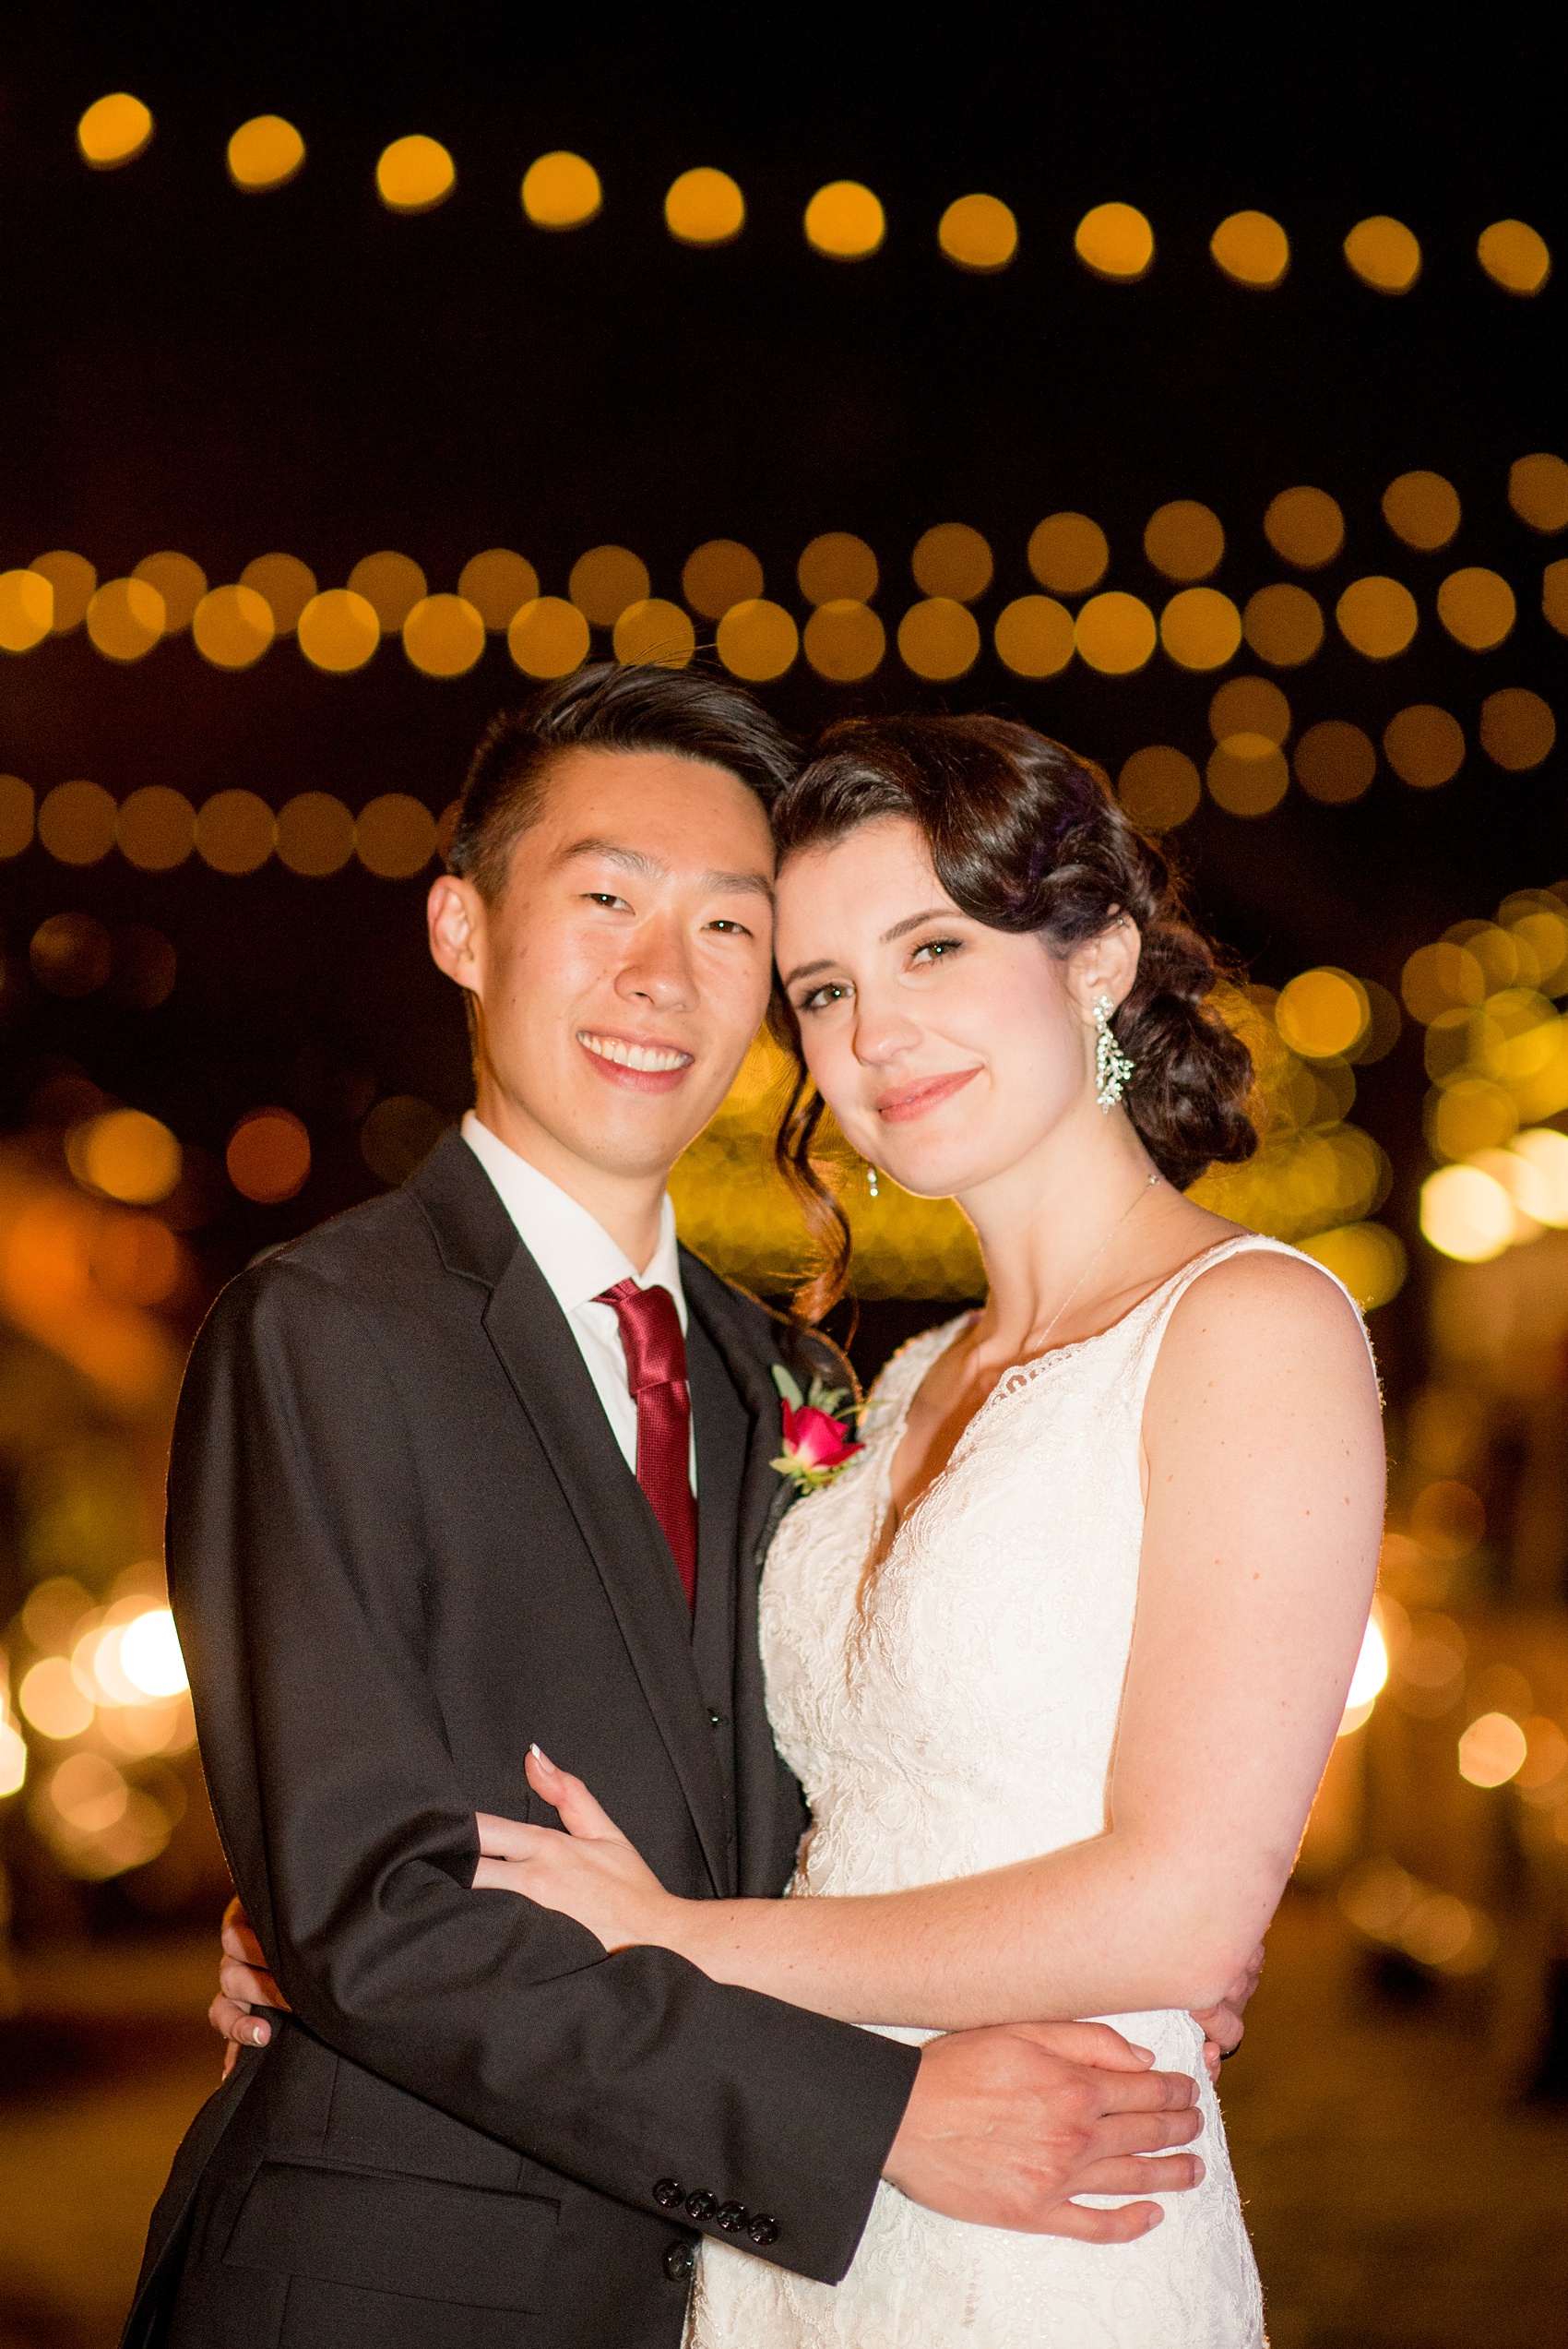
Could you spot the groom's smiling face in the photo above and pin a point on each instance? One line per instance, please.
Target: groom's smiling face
(623, 969)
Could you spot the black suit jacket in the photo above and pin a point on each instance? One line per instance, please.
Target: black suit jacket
(403, 1543)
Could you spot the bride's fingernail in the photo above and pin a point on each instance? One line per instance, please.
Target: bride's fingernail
(540, 1755)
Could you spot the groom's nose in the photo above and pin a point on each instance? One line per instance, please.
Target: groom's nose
(657, 970)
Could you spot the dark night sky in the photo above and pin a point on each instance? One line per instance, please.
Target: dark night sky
(189, 367)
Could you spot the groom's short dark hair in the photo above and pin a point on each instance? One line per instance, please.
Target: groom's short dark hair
(686, 713)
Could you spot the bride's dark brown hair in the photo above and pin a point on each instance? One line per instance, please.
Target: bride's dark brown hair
(1024, 836)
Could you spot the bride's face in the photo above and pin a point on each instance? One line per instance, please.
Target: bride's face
(946, 1051)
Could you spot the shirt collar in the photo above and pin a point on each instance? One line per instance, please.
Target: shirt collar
(576, 1254)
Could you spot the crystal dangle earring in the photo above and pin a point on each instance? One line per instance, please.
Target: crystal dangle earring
(871, 1179)
(1111, 1066)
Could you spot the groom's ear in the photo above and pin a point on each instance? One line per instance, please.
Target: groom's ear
(454, 914)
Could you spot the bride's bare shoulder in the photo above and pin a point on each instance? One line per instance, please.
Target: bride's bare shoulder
(1262, 1310)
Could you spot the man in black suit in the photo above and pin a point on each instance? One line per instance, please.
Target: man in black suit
(487, 1462)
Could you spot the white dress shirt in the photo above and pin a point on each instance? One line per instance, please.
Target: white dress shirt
(579, 1260)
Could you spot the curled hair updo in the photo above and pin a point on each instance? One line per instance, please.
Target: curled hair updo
(1024, 836)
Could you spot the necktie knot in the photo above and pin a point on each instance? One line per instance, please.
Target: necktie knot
(651, 1337)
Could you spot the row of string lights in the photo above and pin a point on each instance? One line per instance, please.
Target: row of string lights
(845, 221)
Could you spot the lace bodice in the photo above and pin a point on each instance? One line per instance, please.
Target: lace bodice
(959, 1716)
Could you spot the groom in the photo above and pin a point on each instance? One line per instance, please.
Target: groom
(487, 1462)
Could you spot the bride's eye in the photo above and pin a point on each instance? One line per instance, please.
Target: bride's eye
(931, 950)
(832, 991)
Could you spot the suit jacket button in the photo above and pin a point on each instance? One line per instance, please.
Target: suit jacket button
(762, 2229)
(732, 2217)
(701, 2204)
(667, 2193)
(679, 2262)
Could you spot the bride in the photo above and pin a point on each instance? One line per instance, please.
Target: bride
(1060, 1653)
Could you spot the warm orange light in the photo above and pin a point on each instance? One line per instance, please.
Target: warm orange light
(235, 831)
(836, 567)
(561, 191)
(126, 1155)
(757, 640)
(1422, 509)
(76, 823)
(391, 584)
(1249, 704)
(395, 836)
(845, 640)
(1200, 628)
(315, 837)
(1160, 787)
(704, 207)
(444, 634)
(655, 630)
(73, 578)
(287, 585)
(1116, 242)
(498, 583)
(1538, 490)
(265, 153)
(1377, 616)
(414, 175)
(268, 1156)
(1305, 526)
(605, 581)
(1335, 762)
(1283, 625)
(719, 573)
(1115, 633)
(938, 639)
(1034, 636)
(952, 560)
(178, 581)
(1184, 540)
(1252, 249)
(1247, 774)
(233, 626)
(1476, 607)
(113, 130)
(1383, 253)
(979, 233)
(845, 221)
(1515, 255)
(338, 630)
(1068, 554)
(125, 619)
(1424, 746)
(15, 815)
(1517, 729)
(26, 609)
(548, 636)
(1322, 1014)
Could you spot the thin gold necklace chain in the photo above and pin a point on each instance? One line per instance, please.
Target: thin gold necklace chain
(1094, 1259)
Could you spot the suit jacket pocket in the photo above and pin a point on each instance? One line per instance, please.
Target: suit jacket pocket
(387, 2232)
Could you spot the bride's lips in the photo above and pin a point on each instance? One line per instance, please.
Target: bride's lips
(913, 1101)
(637, 1064)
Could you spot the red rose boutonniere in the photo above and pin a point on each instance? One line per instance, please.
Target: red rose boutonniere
(818, 1438)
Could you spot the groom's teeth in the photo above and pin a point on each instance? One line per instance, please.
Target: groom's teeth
(646, 1057)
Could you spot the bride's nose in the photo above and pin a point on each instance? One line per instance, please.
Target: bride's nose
(883, 1031)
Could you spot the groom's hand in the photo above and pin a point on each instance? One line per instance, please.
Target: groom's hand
(1005, 2125)
(244, 1984)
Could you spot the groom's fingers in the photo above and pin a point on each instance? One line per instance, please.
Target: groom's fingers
(1124, 2225)
(1119, 2135)
(1087, 2042)
(1145, 2091)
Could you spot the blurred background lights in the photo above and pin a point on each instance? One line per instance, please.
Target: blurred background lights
(1115, 632)
(836, 567)
(605, 581)
(1251, 248)
(15, 815)
(1493, 1750)
(125, 619)
(52, 1702)
(719, 573)
(338, 630)
(76, 823)
(1323, 1013)
(561, 191)
(178, 581)
(1538, 490)
(1069, 554)
(285, 583)
(113, 130)
(1422, 509)
(845, 221)
(1370, 1676)
(268, 1156)
(1184, 540)
(1369, 1258)
(1305, 526)
(265, 153)
(126, 1155)
(1335, 762)
(498, 583)
(1034, 636)
(656, 630)
(1424, 746)
(844, 640)
(1476, 607)
(952, 560)
(395, 836)
(149, 1655)
(398, 1135)
(1200, 628)
(938, 639)
(233, 626)
(1115, 241)
(1517, 728)
(704, 207)
(26, 609)
(71, 954)
(1377, 616)
(1249, 704)
(1383, 253)
(1515, 255)
(315, 836)
(1466, 1213)
(444, 634)
(1283, 625)
(235, 831)
(979, 233)
(414, 175)
(1247, 774)
(548, 636)
(73, 578)
(1555, 596)
(13, 1759)
(757, 640)
(391, 584)
(1160, 787)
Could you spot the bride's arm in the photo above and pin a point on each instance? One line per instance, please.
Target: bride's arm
(1265, 1506)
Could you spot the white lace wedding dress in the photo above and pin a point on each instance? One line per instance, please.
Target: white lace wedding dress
(966, 1720)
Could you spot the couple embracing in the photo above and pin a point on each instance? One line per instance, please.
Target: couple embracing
(528, 1681)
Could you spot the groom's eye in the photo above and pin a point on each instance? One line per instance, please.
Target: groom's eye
(730, 929)
(604, 896)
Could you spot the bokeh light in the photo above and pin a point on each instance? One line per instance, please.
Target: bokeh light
(1158, 787)
(1322, 1014)
(719, 573)
(1283, 625)
(1200, 628)
(15, 815)
(149, 1655)
(1441, 978)
(1251, 248)
(757, 640)
(605, 581)
(939, 639)
(71, 954)
(1034, 636)
(26, 609)
(498, 583)
(236, 831)
(1247, 774)
(979, 233)
(391, 584)
(124, 619)
(287, 585)
(315, 835)
(338, 630)
(704, 207)
(1467, 1214)
(1538, 490)
(561, 191)
(156, 829)
(548, 636)
(1250, 706)
(73, 578)
(1424, 746)
(414, 175)
(395, 836)
(1517, 728)
(836, 567)
(1377, 616)
(398, 1135)
(1115, 632)
(1069, 554)
(1116, 242)
(845, 640)
(1422, 509)
(444, 635)
(654, 629)
(1370, 1261)
(845, 221)
(265, 153)
(145, 966)
(233, 626)
(1555, 596)
(1515, 255)
(1476, 607)
(51, 1701)
(1184, 540)
(1491, 1750)
(124, 1154)
(952, 560)
(1305, 526)
(76, 823)
(268, 1156)
(1335, 762)
(1383, 253)
(178, 581)
(113, 130)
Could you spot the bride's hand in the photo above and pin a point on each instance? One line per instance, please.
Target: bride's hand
(1222, 2025)
(590, 1873)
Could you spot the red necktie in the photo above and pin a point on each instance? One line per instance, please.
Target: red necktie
(656, 1373)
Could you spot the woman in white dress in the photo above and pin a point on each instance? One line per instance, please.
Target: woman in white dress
(1060, 1654)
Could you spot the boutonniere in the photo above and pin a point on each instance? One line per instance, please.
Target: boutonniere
(818, 1432)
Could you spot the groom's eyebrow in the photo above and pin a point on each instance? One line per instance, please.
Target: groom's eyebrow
(647, 868)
